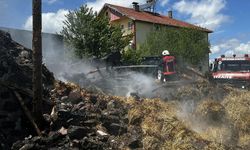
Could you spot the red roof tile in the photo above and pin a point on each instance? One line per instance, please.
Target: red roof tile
(149, 17)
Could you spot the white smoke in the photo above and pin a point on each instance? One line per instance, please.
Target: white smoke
(119, 82)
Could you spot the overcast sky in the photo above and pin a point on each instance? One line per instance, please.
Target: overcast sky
(229, 19)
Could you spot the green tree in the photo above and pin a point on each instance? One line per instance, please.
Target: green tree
(190, 44)
(132, 57)
(91, 35)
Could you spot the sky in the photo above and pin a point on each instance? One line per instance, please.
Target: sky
(229, 19)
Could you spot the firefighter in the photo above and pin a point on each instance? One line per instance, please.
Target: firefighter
(112, 59)
(165, 53)
(166, 69)
(160, 71)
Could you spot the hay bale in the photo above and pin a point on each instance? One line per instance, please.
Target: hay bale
(150, 142)
(244, 141)
(152, 126)
(237, 105)
(187, 92)
(211, 112)
(214, 124)
(135, 116)
(216, 146)
(223, 134)
(163, 130)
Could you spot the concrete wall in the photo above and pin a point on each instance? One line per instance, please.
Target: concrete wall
(52, 46)
(51, 43)
(22, 37)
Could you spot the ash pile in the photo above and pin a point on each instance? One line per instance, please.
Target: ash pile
(16, 78)
(83, 120)
(73, 117)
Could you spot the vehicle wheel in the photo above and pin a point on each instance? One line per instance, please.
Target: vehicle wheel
(160, 76)
(164, 79)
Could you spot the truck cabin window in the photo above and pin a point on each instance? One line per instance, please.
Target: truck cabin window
(240, 65)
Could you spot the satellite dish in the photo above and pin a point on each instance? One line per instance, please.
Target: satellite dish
(149, 5)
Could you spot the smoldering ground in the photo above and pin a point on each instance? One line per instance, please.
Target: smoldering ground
(128, 82)
(188, 96)
(193, 111)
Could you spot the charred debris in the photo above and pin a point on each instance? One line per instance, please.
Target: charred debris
(193, 116)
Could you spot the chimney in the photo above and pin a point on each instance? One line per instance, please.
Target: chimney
(136, 6)
(170, 14)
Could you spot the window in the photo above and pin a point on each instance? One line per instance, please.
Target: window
(157, 27)
(130, 25)
(107, 14)
(237, 65)
(122, 26)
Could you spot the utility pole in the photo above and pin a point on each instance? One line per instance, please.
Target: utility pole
(37, 60)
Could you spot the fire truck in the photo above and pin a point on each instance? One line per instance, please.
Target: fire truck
(232, 70)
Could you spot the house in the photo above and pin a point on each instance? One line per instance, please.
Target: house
(141, 23)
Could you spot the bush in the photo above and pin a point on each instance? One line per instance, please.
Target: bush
(132, 56)
(190, 44)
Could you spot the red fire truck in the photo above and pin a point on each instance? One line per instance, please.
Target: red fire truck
(233, 70)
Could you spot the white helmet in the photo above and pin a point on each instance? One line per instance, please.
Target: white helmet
(165, 53)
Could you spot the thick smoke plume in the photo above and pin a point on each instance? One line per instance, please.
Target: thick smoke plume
(69, 69)
(121, 83)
